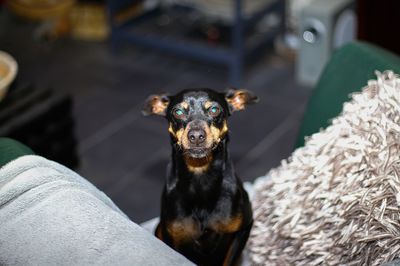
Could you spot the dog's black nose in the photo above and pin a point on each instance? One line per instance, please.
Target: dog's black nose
(196, 136)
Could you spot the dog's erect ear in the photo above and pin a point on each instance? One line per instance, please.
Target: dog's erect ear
(156, 105)
(237, 99)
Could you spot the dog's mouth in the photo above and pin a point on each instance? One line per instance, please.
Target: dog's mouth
(198, 152)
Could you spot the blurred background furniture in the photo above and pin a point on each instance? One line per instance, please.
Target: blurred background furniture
(324, 26)
(42, 119)
(350, 67)
(40, 9)
(80, 19)
(133, 22)
(8, 71)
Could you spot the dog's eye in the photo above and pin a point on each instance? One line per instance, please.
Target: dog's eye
(214, 110)
(179, 113)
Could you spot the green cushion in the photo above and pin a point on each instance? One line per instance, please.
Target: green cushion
(11, 149)
(348, 71)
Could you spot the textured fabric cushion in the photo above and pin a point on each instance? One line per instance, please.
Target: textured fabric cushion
(336, 201)
(49, 215)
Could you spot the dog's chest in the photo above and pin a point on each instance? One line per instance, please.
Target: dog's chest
(204, 213)
(192, 228)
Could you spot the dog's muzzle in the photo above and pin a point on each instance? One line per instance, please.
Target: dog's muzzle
(198, 143)
(197, 136)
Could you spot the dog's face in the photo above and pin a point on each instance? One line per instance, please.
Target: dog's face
(198, 117)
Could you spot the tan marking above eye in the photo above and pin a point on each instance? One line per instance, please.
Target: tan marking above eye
(207, 104)
(185, 105)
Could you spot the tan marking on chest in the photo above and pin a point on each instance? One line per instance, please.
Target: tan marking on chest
(183, 230)
(198, 170)
(229, 225)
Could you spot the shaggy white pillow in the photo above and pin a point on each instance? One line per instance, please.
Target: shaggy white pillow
(336, 200)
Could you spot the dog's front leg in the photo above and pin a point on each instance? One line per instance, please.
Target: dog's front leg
(235, 249)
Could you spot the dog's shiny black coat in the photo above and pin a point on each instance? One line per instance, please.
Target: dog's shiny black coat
(205, 214)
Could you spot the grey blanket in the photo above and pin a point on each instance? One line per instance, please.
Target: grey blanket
(49, 215)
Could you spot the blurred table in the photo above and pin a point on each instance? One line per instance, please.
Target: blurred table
(128, 20)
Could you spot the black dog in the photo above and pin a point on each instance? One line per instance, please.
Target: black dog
(205, 214)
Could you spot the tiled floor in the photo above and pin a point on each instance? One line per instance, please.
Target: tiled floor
(125, 154)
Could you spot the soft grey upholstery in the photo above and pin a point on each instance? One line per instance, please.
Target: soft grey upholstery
(50, 215)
